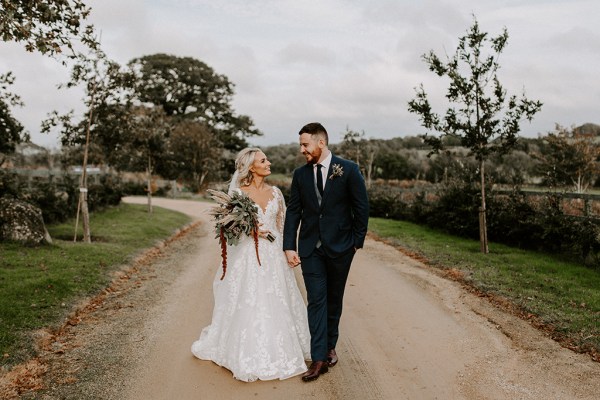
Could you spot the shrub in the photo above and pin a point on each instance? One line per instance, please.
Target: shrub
(456, 211)
(140, 188)
(58, 197)
(512, 219)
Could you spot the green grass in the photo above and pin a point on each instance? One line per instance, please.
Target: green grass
(563, 294)
(39, 285)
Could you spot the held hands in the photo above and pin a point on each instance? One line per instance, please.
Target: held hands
(292, 258)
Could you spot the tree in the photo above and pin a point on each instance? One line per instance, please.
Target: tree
(481, 115)
(284, 158)
(570, 158)
(514, 168)
(112, 132)
(194, 152)
(103, 84)
(11, 130)
(48, 26)
(391, 165)
(150, 131)
(588, 129)
(187, 88)
(354, 146)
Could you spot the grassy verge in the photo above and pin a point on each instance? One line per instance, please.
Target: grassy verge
(563, 296)
(39, 285)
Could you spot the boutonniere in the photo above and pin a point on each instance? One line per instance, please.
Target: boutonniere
(336, 170)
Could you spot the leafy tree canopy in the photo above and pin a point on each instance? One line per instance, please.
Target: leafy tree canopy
(48, 26)
(481, 115)
(569, 158)
(11, 130)
(188, 88)
(588, 129)
(194, 153)
(106, 89)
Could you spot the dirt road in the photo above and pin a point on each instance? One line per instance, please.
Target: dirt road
(406, 333)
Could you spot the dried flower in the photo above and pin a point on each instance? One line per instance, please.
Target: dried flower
(336, 170)
(234, 215)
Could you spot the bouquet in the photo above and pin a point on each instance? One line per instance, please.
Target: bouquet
(234, 215)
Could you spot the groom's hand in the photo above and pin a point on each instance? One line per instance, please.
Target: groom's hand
(292, 258)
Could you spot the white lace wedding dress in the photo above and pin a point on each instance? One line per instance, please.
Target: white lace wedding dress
(259, 326)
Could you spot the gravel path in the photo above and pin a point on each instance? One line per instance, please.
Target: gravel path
(406, 333)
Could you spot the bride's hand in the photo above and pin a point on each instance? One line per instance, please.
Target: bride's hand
(266, 235)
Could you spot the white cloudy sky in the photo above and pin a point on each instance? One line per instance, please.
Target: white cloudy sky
(341, 62)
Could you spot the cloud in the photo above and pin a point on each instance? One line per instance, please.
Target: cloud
(306, 55)
(343, 62)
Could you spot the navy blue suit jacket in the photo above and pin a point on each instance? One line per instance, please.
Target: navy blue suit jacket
(340, 221)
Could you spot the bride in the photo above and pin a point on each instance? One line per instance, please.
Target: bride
(259, 327)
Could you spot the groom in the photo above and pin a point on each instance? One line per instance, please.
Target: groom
(328, 200)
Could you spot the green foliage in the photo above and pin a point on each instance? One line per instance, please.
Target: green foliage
(148, 140)
(392, 165)
(39, 286)
(234, 215)
(285, 158)
(456, 210)
(194, 154)
(105, 87)
(11, 130)
(46, 26)
(569, 159)
(587, 129)
(387, 203)
(131, 188)
(58, 198)
(163, 114)
(405, 158)
(512, 219)
(480, 114)
(188, 88)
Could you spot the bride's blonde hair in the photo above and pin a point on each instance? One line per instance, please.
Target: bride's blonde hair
(243, 162)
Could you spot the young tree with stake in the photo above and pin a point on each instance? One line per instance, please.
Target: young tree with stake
(481, 115)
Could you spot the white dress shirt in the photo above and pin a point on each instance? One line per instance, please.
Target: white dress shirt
(325, 163)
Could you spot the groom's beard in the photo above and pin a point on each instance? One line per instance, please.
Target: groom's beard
(313, 158)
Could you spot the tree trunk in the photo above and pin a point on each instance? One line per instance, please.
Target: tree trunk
(85, 213)
(482, 211)
(149, 173)
(370, 167)
(202, 178)
(83, 191)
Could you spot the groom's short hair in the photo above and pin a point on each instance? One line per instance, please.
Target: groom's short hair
(315, 128)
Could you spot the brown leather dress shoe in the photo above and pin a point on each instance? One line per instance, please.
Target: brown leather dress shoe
(332, 358)
(317, 368)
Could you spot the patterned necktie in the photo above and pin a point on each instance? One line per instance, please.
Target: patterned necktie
(320, 179)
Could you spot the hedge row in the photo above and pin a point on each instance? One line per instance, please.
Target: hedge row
(58, 198)
(511, 219)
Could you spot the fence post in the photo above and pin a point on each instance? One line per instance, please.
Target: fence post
(587, 207)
